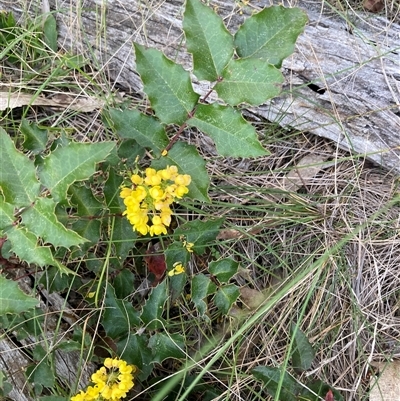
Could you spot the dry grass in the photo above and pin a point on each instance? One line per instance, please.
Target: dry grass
(351, 314)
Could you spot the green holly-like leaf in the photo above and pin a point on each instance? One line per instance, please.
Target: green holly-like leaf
(53, 281)
(303, 352)
(87, 207)
(271, 34)
(187, 159)
(223, 269)
(13, 299)
(202, 286)
(177, 285)
(6, 214)
(134, 350)
(271, 377)
(123, 236)
(41, 372)
(130, 150)
(232, 134)
(35, 137)
(111, 192)
(50, 32)
(200, 233)
(42, 221)
(177, 253)
(165, 346)
(249, 80)
(124, 283)
(225, 297)
(83, 199)
(207, 39)
(25, 246)
(5, 387)
(119, 316)
(145, 130)
(88, 229)
(74, 162)
(154, 307)
(18, 181)
(167, 85)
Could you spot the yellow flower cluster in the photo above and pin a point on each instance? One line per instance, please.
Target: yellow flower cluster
(111, 382)
(153, 193)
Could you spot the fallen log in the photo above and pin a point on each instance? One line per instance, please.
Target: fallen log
(342, 82)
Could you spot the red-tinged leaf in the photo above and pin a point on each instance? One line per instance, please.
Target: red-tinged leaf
(155, 260)
(329, 396)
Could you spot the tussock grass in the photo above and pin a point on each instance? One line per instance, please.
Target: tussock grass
(348, 303)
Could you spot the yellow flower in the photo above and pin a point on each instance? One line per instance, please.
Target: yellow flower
(150, 198)
(183, 179)
(165, 174)
(173, 170)
(188, 245)
(112, 382)
(171, 189)
(165, 216)
(158, 227)
(153, 181)
(110, 363)
(81, 396)
(100, 376)
(142, 228)
(125, 192)
(178, 269)
(92, 393)
(156, 193)
(150, 172)
(161, 204)
(152, 178)
(138, 217)
(181, 191)
(132, 206)
(137, 179)
(139, 193)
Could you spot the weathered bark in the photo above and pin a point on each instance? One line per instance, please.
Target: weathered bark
(354, 65)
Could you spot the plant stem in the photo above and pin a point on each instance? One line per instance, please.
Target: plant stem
(190, 115)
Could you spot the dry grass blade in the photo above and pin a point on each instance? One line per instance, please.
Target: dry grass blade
(61, 100)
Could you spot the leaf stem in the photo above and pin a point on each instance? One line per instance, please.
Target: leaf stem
(177, 135)
(190, 115)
